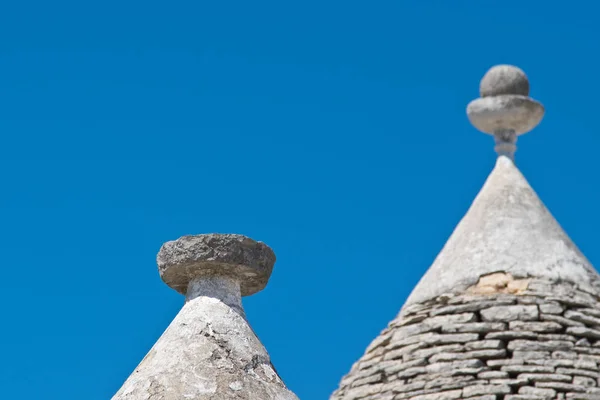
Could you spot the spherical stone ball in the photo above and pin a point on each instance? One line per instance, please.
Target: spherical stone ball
(502, 80)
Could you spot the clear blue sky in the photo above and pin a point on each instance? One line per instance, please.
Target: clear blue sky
(333, 131)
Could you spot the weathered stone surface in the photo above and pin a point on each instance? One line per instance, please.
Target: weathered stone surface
(535, 326)
(546, 394)
(529, 345)
(446, 395)
(581, 317)
(236, 256)
(521, 353)
(585, 381)
(545, 377)
(509, 335)
(476, 327)
(527, 369)
(209, 351)
(560, 320)
(507, 229)
(584, 332)
(485, 344)
(206, 338)
(510, 313)
(479, 390)
(551, 308)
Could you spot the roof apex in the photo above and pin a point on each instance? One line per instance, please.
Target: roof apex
(506, 229)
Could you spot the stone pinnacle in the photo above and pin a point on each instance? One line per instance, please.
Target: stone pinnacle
(505, 109)
(232, 256)
(209, 351)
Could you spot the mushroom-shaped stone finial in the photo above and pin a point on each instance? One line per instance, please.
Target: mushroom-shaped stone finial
(504, 109)
(197, 258)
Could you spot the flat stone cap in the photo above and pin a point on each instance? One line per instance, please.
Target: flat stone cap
(236, 256)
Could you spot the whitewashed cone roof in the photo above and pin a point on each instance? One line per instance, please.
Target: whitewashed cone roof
(209, 351)
(510, 308)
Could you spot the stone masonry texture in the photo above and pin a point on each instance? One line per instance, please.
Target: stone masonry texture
(538, 342)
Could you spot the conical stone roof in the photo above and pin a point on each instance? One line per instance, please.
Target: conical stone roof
(209, 351)
(510, 308)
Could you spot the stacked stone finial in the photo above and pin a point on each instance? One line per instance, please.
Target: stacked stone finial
(505, 109)
(210, 351)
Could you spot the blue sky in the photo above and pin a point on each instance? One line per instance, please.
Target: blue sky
(333, 131)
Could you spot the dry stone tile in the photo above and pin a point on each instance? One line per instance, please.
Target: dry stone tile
(510, 335)
(446, 395)
(551, 308)
(585, 381)
(529, 345)
(545, 377)
(478, 390)
(469, 307)
(560, 320)
(520, 369)
(581, 317)
(485, 344)
(584, 332)
(510, 313)
(474, 327)
(546, 394)
(542, 327)
(560, 386)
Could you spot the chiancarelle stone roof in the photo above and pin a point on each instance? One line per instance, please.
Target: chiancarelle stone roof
(510, 308)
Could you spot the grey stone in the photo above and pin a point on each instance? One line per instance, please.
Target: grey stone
(535, 326)
(474, 327)
(560, 386)
(504, 79)
(556, 336)
(551, 308)
(485, 344)
(531, 355)
(208, 336)
(584, 332)
(564, 355)
(519, 114)
(581, 317)
(553, 363)
(508, 361)
(236, 256)
(582, 396)
(527, 369)
(493, 375)
(545, 377)
(585, 381)
(510, 313)
(546, 394)
(509, 382)
(580, 372)
(440, 367)
(375, 378)
(560, 320)
(469, 307)
(583, 342)
(438, 349)
(479, 354)
(479, 390)
(446, 395)
(529, 345)
(509, 335)
(410, 372)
